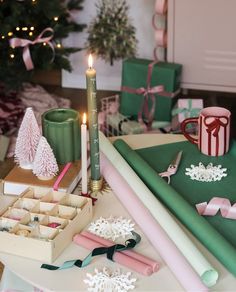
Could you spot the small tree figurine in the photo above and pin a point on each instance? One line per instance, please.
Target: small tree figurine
(45, 164)
(27, 140)
(111, 35)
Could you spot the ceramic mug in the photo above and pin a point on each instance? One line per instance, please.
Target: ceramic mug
(213, 130)
(61, 127)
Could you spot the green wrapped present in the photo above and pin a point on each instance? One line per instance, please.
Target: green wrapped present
(141, 92)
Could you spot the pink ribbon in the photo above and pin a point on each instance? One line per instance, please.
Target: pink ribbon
(60, 177)
(217, 204)
(25, 43)
(214, 128)
(146, 92)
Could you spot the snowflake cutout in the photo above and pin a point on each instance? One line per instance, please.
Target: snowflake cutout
(207, 173)
(108, 281)
(112, 228)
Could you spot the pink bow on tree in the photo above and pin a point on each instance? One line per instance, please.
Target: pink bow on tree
(25, 43)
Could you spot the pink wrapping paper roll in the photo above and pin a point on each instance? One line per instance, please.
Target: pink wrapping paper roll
(118, 257)
(177, 263)
(131, 253)
(161, 38)
(161, 7)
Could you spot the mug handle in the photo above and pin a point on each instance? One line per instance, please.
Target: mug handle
(186, 134)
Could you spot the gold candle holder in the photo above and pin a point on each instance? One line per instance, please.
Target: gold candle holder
(96, 185)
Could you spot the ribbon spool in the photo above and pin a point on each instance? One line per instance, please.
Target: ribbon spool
(217, 204)
(161, 7)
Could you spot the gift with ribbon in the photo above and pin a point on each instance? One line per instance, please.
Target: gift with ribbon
(183, 109)
(128, 126)
(148, 89)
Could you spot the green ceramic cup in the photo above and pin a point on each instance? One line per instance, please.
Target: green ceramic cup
(61, 128)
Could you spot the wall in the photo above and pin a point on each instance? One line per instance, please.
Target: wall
(109, 77)
(201, 37)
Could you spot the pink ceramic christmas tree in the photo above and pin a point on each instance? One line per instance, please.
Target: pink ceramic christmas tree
(27, 140)
(45, 164)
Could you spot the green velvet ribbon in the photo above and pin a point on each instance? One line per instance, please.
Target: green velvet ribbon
(109, 251)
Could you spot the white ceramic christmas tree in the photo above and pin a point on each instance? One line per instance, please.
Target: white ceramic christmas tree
(45, 165)
(27, 140)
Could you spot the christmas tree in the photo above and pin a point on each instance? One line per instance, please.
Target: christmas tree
(27, 140)
(31, 34)
(111, 35)
(45, 164)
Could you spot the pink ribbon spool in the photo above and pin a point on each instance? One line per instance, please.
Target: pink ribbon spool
(217, 204)
(161, 7)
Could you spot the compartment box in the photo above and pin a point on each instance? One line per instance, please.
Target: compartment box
(45, 251)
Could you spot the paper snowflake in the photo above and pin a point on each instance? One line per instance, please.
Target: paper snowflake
(207, 173)
(108, 281)
(112, 228)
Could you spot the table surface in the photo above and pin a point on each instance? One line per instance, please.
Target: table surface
(72, 279)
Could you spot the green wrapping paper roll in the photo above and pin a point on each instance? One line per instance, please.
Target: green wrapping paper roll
(186, 213)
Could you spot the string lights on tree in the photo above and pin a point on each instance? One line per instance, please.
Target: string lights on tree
(31, 35)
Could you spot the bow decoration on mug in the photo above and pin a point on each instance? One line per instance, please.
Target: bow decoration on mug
(25, 43)
(214, 125)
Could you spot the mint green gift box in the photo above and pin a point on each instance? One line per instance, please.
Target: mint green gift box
(134, 75)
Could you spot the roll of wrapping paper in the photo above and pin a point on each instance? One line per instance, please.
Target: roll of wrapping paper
(202, 229)
(131, 253)
(118, 257)
(207, 273)
(177, 263)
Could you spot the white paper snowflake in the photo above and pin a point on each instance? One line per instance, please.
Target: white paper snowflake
(112, 228)
(109, 281)
(207, 173)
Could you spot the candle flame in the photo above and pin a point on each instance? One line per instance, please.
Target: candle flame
(90, 61)
(84, 118)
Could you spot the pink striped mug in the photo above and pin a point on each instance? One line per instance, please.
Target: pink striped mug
(213, 130)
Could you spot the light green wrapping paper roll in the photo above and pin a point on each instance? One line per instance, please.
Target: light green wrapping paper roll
(213, 240)
(207, 273)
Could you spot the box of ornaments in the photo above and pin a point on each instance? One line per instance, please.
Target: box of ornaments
(39, 224)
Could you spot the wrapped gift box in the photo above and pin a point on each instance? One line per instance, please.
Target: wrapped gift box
(185, 108)
(125, 126)
(134, 75)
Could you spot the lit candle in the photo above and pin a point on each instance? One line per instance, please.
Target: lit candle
(84, 155)
(93, 120)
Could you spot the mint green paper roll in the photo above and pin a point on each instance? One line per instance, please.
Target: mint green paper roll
(204, 269)
(198, 225)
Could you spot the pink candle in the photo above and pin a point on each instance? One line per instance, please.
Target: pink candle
(118, 257)
(84, 155)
